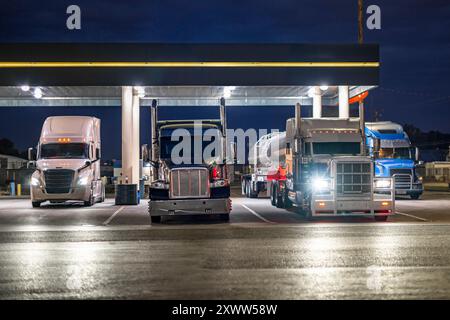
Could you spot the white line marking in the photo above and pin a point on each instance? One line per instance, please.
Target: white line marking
(113, 215)
(256, 214)
(411, 216)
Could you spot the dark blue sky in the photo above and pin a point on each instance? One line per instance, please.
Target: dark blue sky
(414, 41)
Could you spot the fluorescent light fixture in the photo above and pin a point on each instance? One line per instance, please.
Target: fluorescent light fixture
(25, 88)
(140, 91)
(324, 88)
(227, 91)
(37, 93)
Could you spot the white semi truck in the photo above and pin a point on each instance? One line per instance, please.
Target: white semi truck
(67, 161)
(323, 170)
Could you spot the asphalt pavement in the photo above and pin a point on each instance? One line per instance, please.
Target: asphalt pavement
(108, 251)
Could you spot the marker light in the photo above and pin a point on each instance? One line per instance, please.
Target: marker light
(383, 184)
(385, 203)
(25, 88)
(63, 140)
(321, 204)
(37, 93)
(320, 184)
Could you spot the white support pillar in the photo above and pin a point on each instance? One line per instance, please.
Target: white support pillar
(317, 103)
(135, 166)
(127, 133)
(344, 108)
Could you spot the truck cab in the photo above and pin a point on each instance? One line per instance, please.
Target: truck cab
(391, 149)
(192, 180)
(327, 173)
(67, 162)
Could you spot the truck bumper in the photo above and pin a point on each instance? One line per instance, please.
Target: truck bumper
(381, 205)
(417, 189)
(189, 207)
(76, 194)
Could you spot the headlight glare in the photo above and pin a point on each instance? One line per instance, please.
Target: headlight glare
(320, 184)
(383, 184)
(82, 181)
(35, 182)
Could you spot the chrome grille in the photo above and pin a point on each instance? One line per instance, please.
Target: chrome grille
(58, 180)
(189, 183)
(403, 181)
(402, 178)
(353, 178)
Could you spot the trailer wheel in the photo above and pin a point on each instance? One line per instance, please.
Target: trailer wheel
(244, 187)
(250, 192)
(279, 203)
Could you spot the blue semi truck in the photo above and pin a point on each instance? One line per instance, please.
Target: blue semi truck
(394, 157)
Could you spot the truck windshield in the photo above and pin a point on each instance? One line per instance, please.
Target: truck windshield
(395, 153)
(167, 146)
(345, 148)
(64, 151)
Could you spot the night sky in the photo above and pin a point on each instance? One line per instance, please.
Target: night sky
(414, 42)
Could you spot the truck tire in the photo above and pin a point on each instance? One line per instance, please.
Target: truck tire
(90, 202)
(244, 187)
(381, 218)
(250, 193)
(155, 219)
(272, 195)
(415, 196)
(35, 204)
(224, 217)
(279, 197)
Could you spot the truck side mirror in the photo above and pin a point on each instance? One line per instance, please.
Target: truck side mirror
(32, 154)
(376, 147)
(97, 154)
(146, 153)
(417, 155)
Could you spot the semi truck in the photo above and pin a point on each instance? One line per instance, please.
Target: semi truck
(197, 185)
(394, 156)
(67, 162)
(324, 171)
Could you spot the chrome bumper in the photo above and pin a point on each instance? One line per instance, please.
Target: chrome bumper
(75, 194)
(189, 207)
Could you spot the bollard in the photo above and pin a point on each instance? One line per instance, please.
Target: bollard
(19, 189)
(12, 187)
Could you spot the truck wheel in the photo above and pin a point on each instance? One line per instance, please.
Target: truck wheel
(36, 204)
(278, 199)
(415, 196)
(90, 202)
(381, 218)
(243, 187)
(155, 219)
(272, 196)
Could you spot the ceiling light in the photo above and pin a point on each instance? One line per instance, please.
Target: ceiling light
(37, 93)
(25, 88)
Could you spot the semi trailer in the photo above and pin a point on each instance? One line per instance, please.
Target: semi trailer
(67, 162)
(389, 145)
(324, 171)
(192, 181)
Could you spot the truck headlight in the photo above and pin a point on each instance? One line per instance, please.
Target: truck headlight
(382, 184)
(82, 181)
(320, 184)
(159, 185)
(35, 182)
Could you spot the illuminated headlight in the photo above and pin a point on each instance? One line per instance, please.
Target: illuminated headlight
(82, 181)
(420, 179)
(382, 184)
(35, 182)
(320, 184)
(219, 183)
(159, 185)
